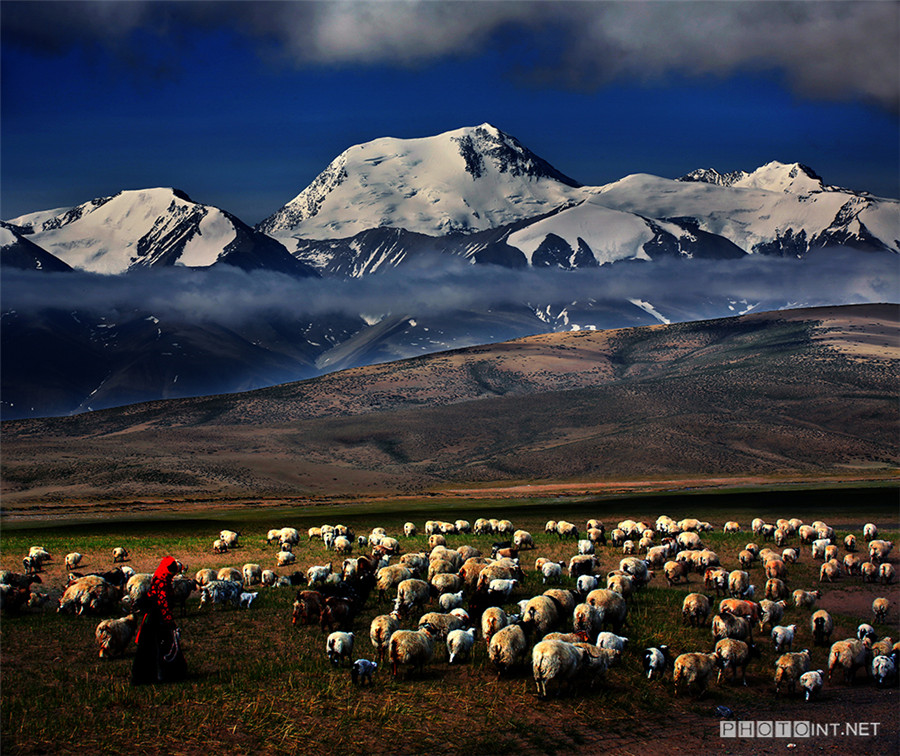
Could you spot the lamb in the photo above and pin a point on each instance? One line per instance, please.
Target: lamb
(880, 609)
(460, 644)
(789, 668)
(822, 627)
(554, 663)
(849, 654)
(449, 601)
(252, 574)
(413, 648)
(73, 559)
(812, 683)
(656, 660)
(884, 670)
(693, 670)
(114, 635)
(222, 592)
(363, 670)
(339, 646)
(806, 599)
(695, 609)
(507, 648)
(612, 607)
(119, 554)
(732, 655)
(247, 599)
(783, 637)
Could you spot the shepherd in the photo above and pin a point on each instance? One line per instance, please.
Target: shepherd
(159, 657)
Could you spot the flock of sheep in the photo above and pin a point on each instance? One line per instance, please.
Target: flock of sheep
(447, 600)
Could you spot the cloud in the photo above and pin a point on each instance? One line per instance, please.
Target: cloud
(680, 289)
(823, 49)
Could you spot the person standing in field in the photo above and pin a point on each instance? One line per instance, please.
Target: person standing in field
(159, 657)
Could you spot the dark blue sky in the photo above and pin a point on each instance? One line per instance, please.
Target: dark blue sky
(242, 104)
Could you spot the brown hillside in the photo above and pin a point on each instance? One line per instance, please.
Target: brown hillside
(803, 392)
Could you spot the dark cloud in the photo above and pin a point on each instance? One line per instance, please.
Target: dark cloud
(230, 297)
(823, 49)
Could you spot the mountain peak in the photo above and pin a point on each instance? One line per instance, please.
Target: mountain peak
(469, 179)
(794, 178)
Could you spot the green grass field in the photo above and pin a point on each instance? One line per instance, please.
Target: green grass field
(259, 685)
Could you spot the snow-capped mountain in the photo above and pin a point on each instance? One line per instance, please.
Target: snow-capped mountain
(151, 228)
(774, 177)
(17, 251)
(466, 180)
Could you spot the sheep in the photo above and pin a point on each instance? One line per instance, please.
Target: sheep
(879, 550)
(812, 683)
(790, 556)
(586, 583)
(221, 592)
(554, 663)
(612, 607)
(380, 631)
(318, 574)
(849, 654)
(136, 588)
(252, 574)
(339, 646)
(865, 630)
(716, 578)
(73, 559)
(450, 601)
(822, 626)
(416, 562)
(413, 648)
(806, 599)
(776, 590)
(869, 572)
(870, 532)
(230, 538)
(552, 572)
(655, 661)
(852, 564)
(523, 540)
(695, 609)
(789, 668)
(830, 571)
(675, 572)
(566, 529)
(637, 568)
(692, 670)
(884, 647)
(783, 637)
(770, 612)
(88, 593)
(493, 619)
(409, 529)
(114, 635)
(442, 624)
(284, 558)
(308, 608)
(482, 526)
(388, 578)
(807, 534)
(739, 608)
(731, 527)
(182, 588)
(229, 573)
(886, 573)
(247, 600)
(831, 552)
(411, 593)
(203, 576)
(738, 581)
(880, 609)
(732, 655)
(363, 670)
(850, 542)
(540, 615)
(463, 526)
(268, 578)
(436, 539)
(119, 554)
(507, 648)
(612, 641)
(818, 548)
(621, 584)
(884, 670)
(582, 564)
(460, 644)
(728, 626)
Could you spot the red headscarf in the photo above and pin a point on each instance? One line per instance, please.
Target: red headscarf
(161, 586)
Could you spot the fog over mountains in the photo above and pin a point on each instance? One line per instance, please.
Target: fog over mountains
(405, 247)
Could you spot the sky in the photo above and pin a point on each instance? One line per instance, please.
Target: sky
(242, 104)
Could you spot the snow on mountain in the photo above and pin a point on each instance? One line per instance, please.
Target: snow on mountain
(465, 180)
(151, 228)
(768, 221)
(795, 178)
(17, 251)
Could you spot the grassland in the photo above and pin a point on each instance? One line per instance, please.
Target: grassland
(259, 685)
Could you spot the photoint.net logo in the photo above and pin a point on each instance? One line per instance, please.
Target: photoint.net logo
(798, 729)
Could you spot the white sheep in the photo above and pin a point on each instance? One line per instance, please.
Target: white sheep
(507, 648)
(339, 646)
(812, 683)
(119, 554)
(612, 641)
(783, 637)
(317, 574)
(554, 663)
(229, 573)
(252, 574)
(380, 631)
(284, 558)
(247, 599)
(886, 573)
(849, 654)
(460, 644)
(73, 559)
(870, 531)
(230, 538)
(268, 578)
(738, 582)
(692, 670)
(586, 583)
(114, 635)
(202, 576)
(412, 648)
(656, 659)
(552, 572)
(611, 606)
(770, 613)
(502, 588)
(884, 670)
(363, 670)
(411, 593)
